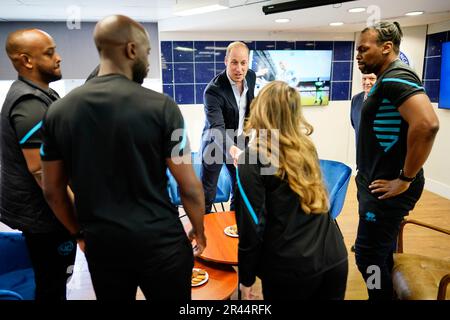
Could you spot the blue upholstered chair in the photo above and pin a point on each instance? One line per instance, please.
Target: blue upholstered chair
(223, 185)
(16, 272)
(336, 176)
(9, 295)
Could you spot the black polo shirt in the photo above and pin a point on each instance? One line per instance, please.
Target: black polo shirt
(114, 137)
(26, 119)
(382, 141)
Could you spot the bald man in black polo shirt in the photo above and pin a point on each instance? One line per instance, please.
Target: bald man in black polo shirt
(22, 204)
(113, 139)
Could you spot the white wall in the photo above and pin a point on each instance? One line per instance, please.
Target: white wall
(332, 130)
(437, 168)
(194, 119)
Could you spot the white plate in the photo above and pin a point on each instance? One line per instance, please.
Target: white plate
(228, 233)
(203, 281)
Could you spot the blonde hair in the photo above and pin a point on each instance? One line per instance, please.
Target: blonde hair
(278, 106)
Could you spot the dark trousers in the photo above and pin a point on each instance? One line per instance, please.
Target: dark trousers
(117, 271)
(52, 256)
(379, 223)
(329, 285)
(210, 175)
(374, 248)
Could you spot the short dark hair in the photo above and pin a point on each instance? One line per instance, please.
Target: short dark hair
(388, 31)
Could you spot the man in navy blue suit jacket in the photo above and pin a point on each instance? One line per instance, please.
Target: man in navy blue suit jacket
(368, 80)
(227, 101)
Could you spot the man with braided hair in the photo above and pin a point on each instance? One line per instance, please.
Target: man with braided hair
(396, 134)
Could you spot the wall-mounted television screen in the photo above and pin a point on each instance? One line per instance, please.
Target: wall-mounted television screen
(309, 71)
(444, 90)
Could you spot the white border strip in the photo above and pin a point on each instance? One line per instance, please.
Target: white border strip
(437, 187)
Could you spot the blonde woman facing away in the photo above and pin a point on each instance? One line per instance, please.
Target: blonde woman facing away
(286, 236)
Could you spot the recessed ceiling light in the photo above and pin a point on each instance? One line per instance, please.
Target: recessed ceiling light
(336, 24)
(414, 13)
(282, 20)
(356, 10)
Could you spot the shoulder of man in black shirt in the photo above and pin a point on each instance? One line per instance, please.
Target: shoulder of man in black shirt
(400, 82)
(25, 116)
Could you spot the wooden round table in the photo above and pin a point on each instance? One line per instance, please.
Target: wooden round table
(220, 247)
(222, 282)
(220, 254)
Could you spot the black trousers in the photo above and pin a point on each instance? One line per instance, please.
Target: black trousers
(210, 171)
(52, 256)
(209, 176)
(374, 249)
(329, 285)
(117, 269)
(379, 224)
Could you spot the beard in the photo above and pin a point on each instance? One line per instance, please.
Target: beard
(139, 71)
(365, 69)
(50, 75)
(370, 68)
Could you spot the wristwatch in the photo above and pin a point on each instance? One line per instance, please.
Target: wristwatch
(401, 176)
